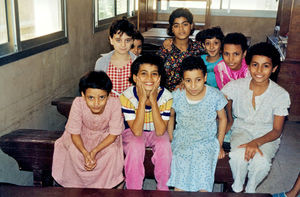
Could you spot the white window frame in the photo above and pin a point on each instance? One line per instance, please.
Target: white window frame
(101, 24)
(16, 49)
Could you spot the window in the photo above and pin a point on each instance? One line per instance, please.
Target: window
(107, 10)
(263, 8)
(31, 26)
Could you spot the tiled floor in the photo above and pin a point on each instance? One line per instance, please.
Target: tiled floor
(285, 168)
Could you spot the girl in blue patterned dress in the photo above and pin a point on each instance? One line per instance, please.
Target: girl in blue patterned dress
(196, 146)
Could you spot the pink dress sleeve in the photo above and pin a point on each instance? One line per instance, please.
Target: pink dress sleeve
(218, 76)
(74, 123)
(116, 123)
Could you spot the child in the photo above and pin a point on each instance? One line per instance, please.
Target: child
(211, 40)
(146, 108)
(180, 27)
(195, 146)
(138, 42)
(117, 63)
(89, 154)
(233, 66)
(260, 107)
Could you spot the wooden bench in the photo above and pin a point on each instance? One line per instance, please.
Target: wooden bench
(223, 172)
(33, 151)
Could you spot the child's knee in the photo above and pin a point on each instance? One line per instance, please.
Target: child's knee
(237, 154)
(259, 163)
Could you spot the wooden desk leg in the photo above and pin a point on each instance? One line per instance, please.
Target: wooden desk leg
(42, 178)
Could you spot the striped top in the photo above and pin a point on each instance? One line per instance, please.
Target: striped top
(129, 101)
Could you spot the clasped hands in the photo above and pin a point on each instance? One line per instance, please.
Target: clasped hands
(90, 160)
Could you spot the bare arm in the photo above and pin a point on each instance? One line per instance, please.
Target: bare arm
(90, 163)
(137, 124)
(159, 124)
(221, 130)
(253, 147)
(229, 116)
(103, 144)
(171, 124)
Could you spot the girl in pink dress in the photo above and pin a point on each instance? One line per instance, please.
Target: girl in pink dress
(89, 154)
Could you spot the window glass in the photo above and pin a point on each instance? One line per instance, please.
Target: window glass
(121, 6)
(250, 4)
(106, 9)
(3, 24)
(38, 18)
(187, 4)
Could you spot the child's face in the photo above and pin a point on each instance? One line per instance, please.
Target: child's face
(261, 69)
(148, 75)
(212, 47)
(194, 81)
(181, 28)
(121, 42)
(95, 99)
(233, 56)
(137, 47)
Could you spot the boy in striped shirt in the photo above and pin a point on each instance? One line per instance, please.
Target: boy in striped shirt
(146, 108)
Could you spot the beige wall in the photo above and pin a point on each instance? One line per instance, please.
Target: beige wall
(27, 86)
(254, 27)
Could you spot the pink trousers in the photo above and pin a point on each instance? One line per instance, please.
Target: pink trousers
(134, 148)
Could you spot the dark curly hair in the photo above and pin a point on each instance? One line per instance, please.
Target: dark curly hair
(122, 26)
(214, 32)
(152, 59)
(180, 12)
(191, 63)
(95, 79)
(236, 39)
(264, 49)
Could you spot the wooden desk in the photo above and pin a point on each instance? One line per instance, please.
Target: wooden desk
(9, 191)
(158, 35)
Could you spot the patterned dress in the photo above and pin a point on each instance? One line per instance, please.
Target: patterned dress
(195, 146)
(173, 60)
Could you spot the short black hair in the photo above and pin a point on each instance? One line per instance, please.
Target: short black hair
(264, 49)
(236, 39)
(152, 59)
(214, 32)
(97, 80)
(180, 12)
(138, 36)
(122, 26)
(191, 63)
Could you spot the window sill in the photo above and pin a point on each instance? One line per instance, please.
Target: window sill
(31, 51)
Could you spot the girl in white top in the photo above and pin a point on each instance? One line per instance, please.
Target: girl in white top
(260, 107)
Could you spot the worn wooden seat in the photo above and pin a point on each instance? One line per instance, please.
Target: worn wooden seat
(223, 172)
(33, 151)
